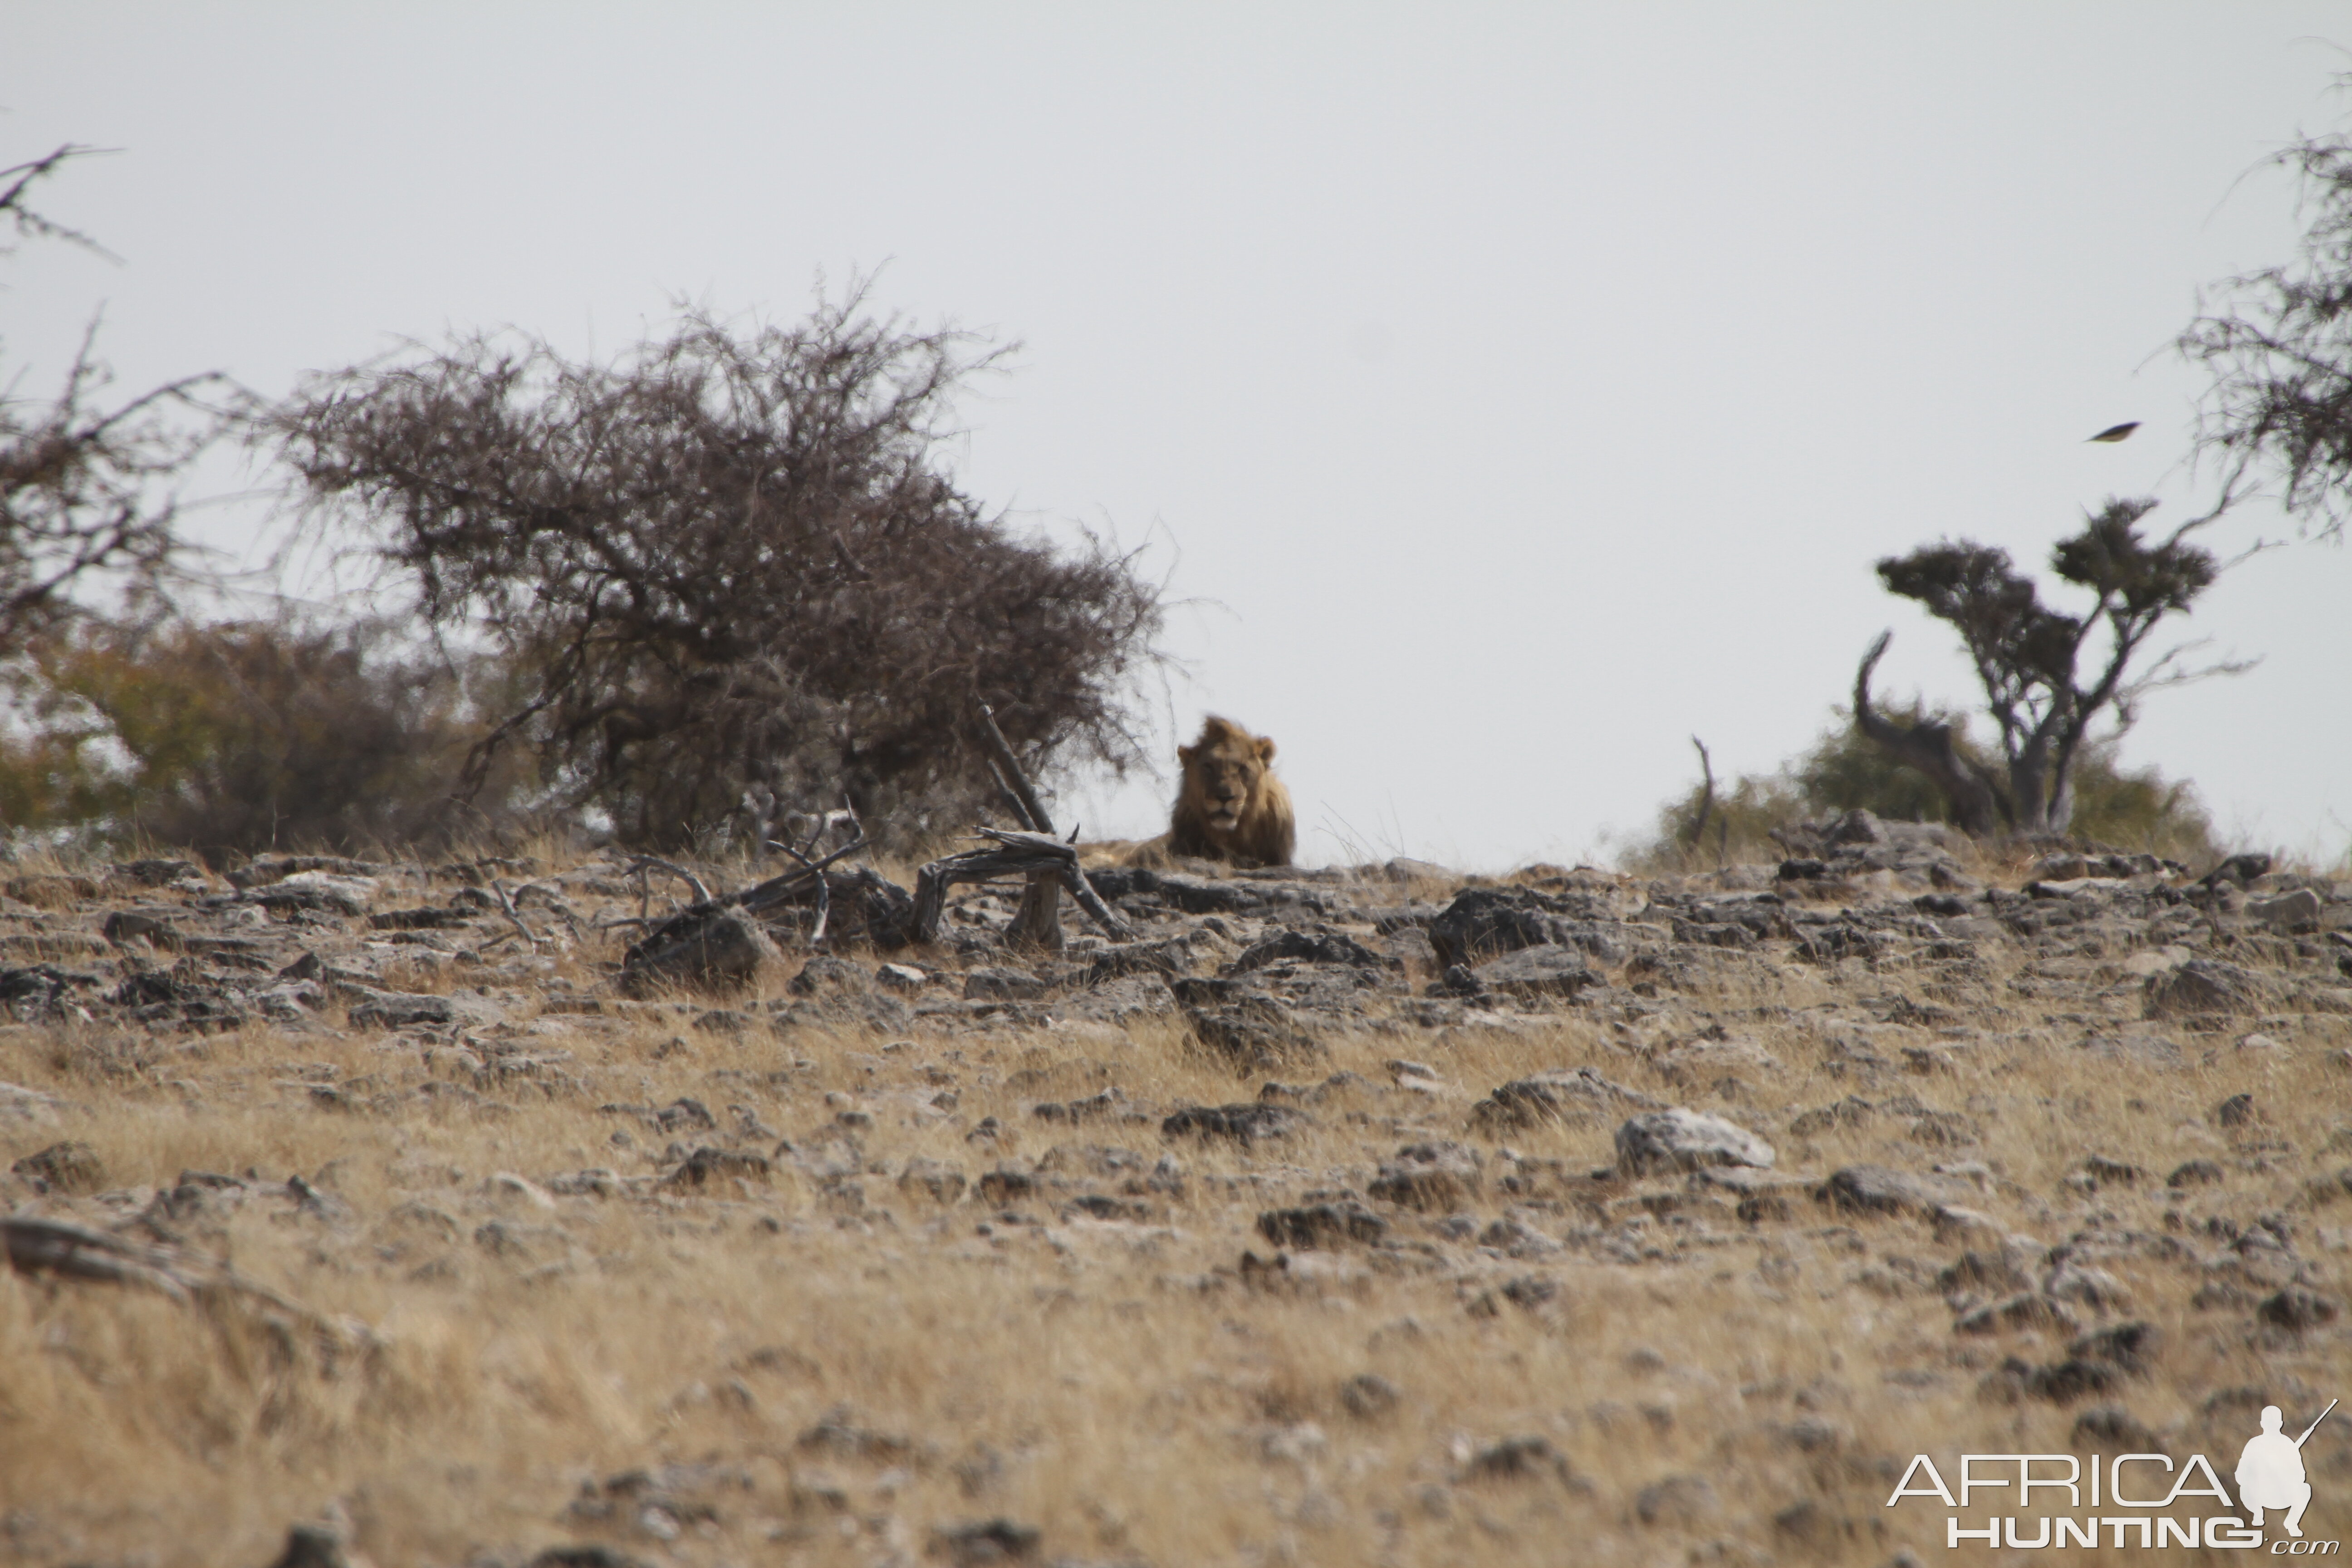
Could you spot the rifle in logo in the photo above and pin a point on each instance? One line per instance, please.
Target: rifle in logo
(2270, 1471)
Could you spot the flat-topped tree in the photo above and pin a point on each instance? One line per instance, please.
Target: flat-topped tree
(2047, 675)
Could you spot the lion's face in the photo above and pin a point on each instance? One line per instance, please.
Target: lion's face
(1230, 807)
(1224, 775)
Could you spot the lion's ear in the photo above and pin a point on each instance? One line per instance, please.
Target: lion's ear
(1264, 749)
(1185, 754)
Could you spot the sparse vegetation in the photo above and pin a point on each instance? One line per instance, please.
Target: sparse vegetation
(2030, 659)
(81, 515)
(730, 561)
(2114, 808)
(2280, 352)
(232, 739)
(792, 1272)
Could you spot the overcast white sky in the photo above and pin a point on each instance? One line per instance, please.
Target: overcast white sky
(1528, 387)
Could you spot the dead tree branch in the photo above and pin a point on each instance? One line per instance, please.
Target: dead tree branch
(656, 863)
(1014, 855)
(1038, 924)
(1015, 780)
(507, 904)
(1933, 748)
(1707, 796)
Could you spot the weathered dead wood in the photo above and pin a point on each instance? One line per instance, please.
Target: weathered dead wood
(1932, 747)
(508, 904)
(1706, 797)
(1012, 855)
(819, 825)
(645, 863)
(702, 941)
(1037, 924)
(1015, 781)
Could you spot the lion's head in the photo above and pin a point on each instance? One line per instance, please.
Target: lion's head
(1229, 806)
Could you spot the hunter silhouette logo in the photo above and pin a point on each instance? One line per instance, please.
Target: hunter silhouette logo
(2270, 1471)
(2128, 1500)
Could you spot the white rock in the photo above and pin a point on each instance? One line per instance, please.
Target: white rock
(1680, 1139)
(27, 1105)
(507, 1185)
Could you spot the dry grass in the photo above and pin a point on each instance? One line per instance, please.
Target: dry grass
(1126, 1386)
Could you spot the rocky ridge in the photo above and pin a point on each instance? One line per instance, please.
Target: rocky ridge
(1871, 1073)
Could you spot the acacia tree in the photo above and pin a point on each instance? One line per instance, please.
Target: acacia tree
(2047, 675)
(723, 563)
(2280, 352)
(78, 501)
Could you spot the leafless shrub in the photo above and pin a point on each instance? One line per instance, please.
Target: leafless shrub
(77, 506)
(728, 563)
(2279, 349)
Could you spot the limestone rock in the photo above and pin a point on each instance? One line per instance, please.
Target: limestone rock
(1537, 972)
(1680, 1139)
(71, 1168)
(2204, 985)
(1577, 1095)
(1439, 1177)
(721, 950)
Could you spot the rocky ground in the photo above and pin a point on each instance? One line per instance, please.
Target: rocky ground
(1330, 1216)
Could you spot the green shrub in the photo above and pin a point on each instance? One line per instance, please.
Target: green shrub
(2117, 809)
(233, 738)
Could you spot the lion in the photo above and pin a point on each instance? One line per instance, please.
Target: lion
(1229, 806)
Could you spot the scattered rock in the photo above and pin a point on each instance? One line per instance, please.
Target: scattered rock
(1368, 1396)
(1518, 1459)
(1685, 1140)
(1534, 973)
(719, 949)
(2204, 986)
(2296, 1308)
(1439, 1177)
(1576, 1096)
(1873, 1189)
(1244, 1124)
(999, 984)
(989, 1542)
(1323, 1224)
(71, 1168)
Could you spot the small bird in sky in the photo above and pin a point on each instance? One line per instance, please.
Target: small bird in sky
(2117, 432)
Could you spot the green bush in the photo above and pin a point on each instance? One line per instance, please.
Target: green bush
(233, 738)
(2116, 809)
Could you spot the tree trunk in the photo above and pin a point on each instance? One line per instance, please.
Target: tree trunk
(1933, 750)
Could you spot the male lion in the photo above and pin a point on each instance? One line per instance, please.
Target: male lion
(1229, 806)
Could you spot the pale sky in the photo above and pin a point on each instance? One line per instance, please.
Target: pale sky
(1521, 389)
